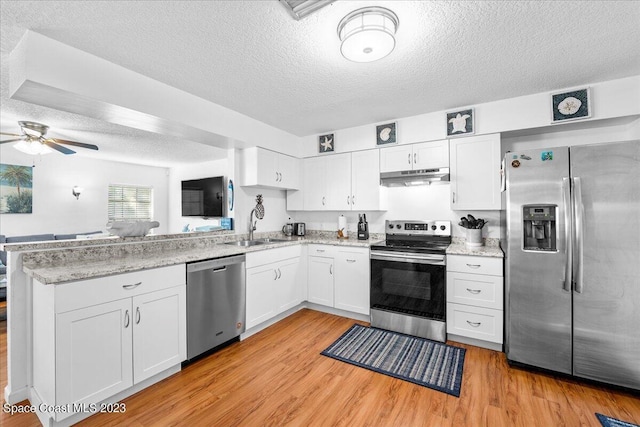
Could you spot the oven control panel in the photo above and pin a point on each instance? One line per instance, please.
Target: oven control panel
(419, 228)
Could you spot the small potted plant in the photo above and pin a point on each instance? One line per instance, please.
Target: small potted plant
(474, 230)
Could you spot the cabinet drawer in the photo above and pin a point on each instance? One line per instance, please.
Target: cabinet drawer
(321, 250)
(84, 293)
(269, 256)
(475, 289)
(474, 264)
(475, 322)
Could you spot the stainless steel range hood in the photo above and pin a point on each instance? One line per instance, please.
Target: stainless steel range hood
(414, 177)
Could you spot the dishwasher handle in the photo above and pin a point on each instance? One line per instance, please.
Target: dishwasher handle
(215, 264)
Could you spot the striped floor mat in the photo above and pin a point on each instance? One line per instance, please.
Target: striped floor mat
(418, 360)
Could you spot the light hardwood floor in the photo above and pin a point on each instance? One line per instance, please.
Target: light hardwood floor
(278, 377)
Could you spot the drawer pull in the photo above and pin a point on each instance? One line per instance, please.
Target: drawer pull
(132, 286)
(351, 260)
(474, 324)
(474, 291)
(320, 250)
(473, 265)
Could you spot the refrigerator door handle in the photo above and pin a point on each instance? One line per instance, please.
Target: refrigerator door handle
(568, 241)
(578, 231)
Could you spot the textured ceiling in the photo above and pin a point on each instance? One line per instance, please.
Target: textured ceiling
(254, 58)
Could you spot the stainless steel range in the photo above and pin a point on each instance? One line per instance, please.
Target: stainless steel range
(408, 278)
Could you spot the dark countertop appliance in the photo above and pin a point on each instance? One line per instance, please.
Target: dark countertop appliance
(363, 227)
(299, 229)
(408, 278)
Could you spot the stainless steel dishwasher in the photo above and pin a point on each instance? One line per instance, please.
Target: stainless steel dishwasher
(215, 303)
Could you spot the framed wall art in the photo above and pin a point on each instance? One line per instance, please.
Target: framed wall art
(386, 134)
(16, 183)
(460, 122)
(570, 105)
(326, 143)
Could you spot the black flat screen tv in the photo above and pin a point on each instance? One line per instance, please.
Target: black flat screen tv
(203, 197)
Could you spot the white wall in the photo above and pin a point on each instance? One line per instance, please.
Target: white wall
(56, 210)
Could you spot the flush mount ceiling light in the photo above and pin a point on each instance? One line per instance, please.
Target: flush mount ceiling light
(367, 34)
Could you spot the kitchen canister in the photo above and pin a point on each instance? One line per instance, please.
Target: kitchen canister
(474, 237)
(342, 225)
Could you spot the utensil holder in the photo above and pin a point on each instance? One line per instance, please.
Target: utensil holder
(474, 237)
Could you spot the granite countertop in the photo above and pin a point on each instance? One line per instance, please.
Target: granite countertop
(491, 248)
(62, 265)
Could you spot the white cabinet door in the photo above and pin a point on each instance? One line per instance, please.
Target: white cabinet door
(398, 158)
(337, 179)
(320, 280)
(475, 173)
(94, 352)
(314, 184)
(287, 288)
(261, 298)
(159, 331)
(267, 168)
(288, 169)
(366, 192)
(431, 155)
(352, 280)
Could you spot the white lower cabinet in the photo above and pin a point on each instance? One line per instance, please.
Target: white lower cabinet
(475, 301)
(273, 281)
(95, 338)
(338, 277)
(351, 286)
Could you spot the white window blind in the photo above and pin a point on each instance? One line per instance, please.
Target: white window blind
(130, 203)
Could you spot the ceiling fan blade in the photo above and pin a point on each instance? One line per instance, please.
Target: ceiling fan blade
(60, 148)
(10, 140)
(76, 144)
(10, 134)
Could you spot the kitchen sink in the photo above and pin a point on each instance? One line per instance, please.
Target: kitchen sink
(246, 243)
(255, 242)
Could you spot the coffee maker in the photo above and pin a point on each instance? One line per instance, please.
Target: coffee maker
(363, 227)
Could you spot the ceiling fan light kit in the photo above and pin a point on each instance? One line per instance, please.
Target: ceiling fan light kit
(32, 140)
(368, 34)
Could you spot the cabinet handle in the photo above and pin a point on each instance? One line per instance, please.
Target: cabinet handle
(126, 319)
(474, 291)
(331, 269)
(348, 200)
(280, 173)
(137, 315)
(351, 260)
(276, 274)
(453, 197)
(132, 286)
(322, 200)
(279, 274)
(474, 324)
(409, 158)
(353, 200)
(473, 265)
(415, 158)
(276, 176)
(319, 250)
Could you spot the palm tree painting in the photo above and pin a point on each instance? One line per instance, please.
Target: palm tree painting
(15, 189)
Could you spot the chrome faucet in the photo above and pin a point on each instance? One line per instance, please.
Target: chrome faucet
(252, 223)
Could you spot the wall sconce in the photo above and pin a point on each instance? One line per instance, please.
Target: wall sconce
(76, 191)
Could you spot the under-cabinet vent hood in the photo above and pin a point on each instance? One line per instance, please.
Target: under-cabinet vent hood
(414, 177)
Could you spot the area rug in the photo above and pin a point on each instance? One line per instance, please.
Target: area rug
(612, 422)
(418, 360)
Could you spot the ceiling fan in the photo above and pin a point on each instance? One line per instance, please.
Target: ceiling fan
(33, 140)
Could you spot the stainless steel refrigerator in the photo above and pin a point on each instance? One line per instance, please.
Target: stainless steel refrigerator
(572, 266)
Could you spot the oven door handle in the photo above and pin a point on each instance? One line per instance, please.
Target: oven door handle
(412, 258)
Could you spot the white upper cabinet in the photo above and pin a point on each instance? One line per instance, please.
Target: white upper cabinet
(266, 168)
(475, 173)
(340, 182)
(425, 155)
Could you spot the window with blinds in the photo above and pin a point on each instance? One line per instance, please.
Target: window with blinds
(130, 203)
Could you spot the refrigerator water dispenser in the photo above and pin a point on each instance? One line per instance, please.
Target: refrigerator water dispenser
(539, 225)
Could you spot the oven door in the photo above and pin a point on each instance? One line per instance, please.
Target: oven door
(409, 283)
